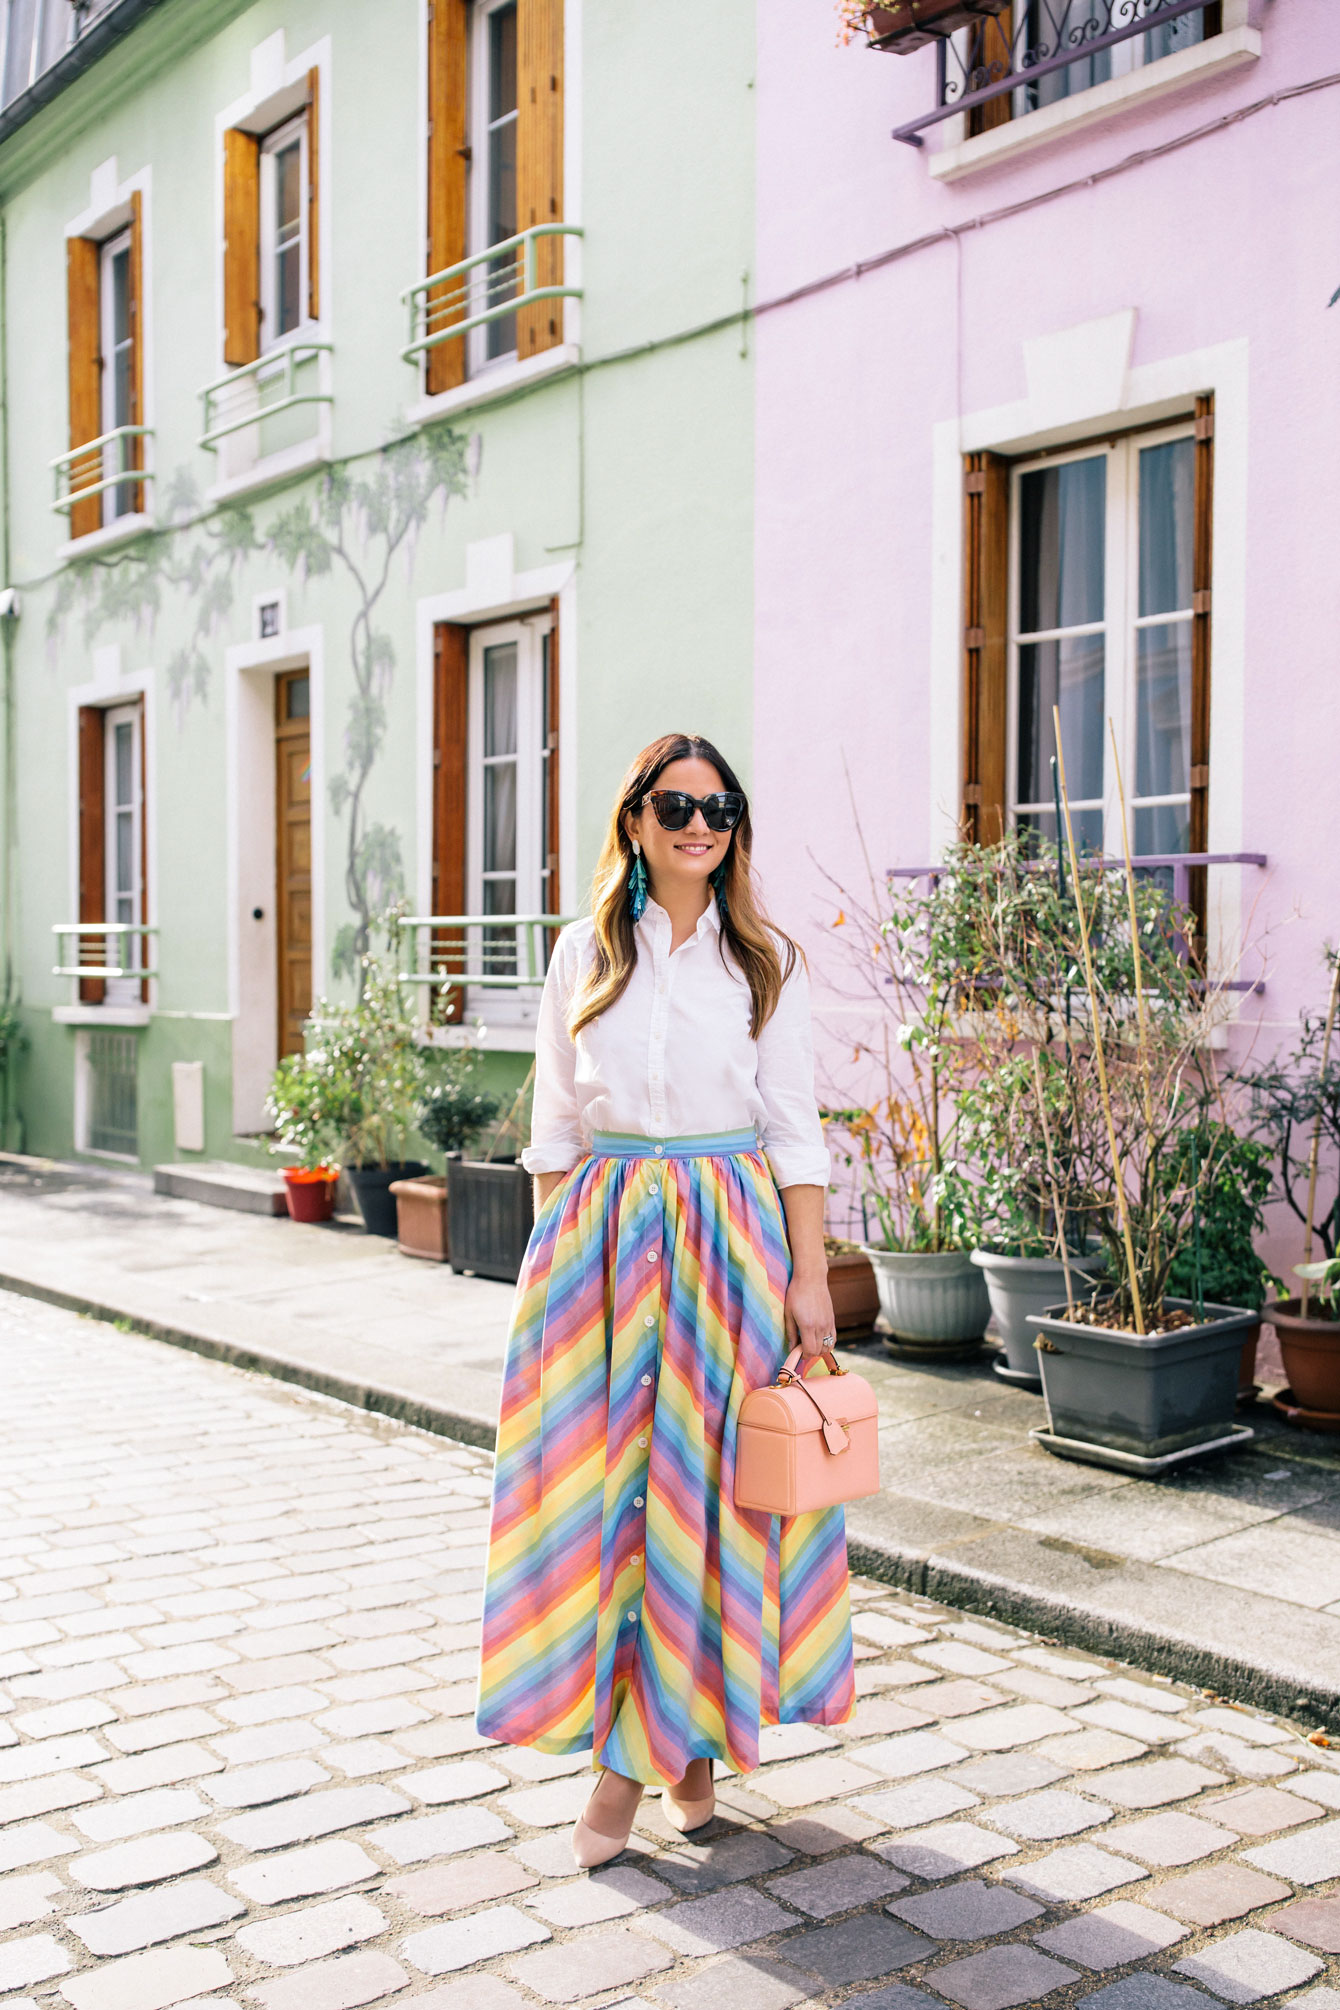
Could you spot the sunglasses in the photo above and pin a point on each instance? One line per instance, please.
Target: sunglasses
(674, 810)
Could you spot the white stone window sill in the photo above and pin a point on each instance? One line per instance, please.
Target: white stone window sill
(271, 472)
(100, 1015)
(1222, 53)
(120, 531)
(496, 383)
(497, 1039)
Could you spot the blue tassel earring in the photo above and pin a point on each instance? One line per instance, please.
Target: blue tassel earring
(637, 885)
(718, 883)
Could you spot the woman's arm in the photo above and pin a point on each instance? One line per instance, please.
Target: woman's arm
(809, 1309)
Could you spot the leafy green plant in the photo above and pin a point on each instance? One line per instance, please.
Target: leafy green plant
(309, 1109)
(453, 1110)
(1294, 1099)
(1219, 1265)
(1325, 1300)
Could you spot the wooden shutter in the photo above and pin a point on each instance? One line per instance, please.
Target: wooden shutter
(448, 158)
(553, 890)
(1202, 559)
(986, 594)
(146, 952)
(135, 456)
(92, 843)
(313, 197)
(241, 247)
(451, 674)
(539, 160)
(84, 337)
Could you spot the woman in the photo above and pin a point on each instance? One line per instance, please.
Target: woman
(631, 1607)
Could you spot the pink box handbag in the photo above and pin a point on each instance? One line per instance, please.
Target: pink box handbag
(805, 1445)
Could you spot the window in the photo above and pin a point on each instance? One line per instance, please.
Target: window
(283, 230)
(112, 852)
(123, 847)
(106, 362)
(1104, 611)
(493, 182)
(270, 230)
(1046, 26)
(36, 33)
(496, 802)
(495, 169)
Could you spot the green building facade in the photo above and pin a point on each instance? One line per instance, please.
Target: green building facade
(299, 624)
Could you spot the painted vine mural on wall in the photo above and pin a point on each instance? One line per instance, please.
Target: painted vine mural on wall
(355, 522)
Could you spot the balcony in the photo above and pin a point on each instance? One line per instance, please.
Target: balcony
(506, 956)
(268, 418)
(113, 463)
(995, 63)
(108, 965)
(485, 289)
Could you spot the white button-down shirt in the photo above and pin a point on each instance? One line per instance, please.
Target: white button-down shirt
(673, 1057)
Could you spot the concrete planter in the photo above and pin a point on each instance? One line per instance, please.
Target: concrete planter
(1018, 1286)
(935, 1302)
(1142, 1403)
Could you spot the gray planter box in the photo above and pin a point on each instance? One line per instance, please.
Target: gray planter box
(936, 1303)
(1018, 1286)
(489, 1208)
(1142, 1403)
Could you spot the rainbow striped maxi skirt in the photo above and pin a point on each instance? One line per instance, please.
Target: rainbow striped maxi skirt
(631, 1608)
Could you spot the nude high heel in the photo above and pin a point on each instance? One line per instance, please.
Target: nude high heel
(590, 1848)
(686, 1815)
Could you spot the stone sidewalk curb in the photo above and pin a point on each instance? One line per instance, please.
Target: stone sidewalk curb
(1280, 1679)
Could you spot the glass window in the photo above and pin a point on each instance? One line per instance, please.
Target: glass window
(123, 847)
(118, 376)
(283, 230)
(494, 169)
(506, 803)
(1102, 627)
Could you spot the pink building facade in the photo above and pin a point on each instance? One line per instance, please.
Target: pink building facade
(1102, 320)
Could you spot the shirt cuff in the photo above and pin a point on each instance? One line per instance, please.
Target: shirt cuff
(558, 1157)
(799, 1165)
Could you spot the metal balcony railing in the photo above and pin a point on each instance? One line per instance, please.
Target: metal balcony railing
(103, 952)
(485, 287)
(98, 465)
(254, 392)
(494, 952)
(1019, 50)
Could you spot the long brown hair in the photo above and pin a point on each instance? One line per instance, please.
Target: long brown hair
(756, 945)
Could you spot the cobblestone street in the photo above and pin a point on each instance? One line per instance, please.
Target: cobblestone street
(238, 1631)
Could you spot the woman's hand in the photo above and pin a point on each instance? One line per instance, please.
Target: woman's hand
(809, 1314)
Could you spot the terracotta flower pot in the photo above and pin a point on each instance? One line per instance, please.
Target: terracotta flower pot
(310, 1192)
(421, 1216)
(1311, 1350)
(855, 1296)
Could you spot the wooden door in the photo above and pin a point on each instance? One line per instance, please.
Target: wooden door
(293, 855)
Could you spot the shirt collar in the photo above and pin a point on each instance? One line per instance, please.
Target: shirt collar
(655, 919)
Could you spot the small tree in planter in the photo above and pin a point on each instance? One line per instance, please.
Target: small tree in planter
(1296, 1103)
(453, 1112)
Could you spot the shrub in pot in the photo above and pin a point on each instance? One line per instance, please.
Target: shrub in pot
(305, 1125)
(452, 1113)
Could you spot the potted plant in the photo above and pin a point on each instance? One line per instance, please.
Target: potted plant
(904, 25)
(1138, 1378)
(1296, 1102)
(852, 1288)
(1220, 1262)
(303, 1111)
(372, 1069)
(490, 1201)
(452, 1113)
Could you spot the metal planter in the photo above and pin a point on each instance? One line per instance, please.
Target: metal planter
(1141, 1403)
(489, 1206)
(903, 25)
(935, 1302)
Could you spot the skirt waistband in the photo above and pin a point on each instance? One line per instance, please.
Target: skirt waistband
(713, 1145)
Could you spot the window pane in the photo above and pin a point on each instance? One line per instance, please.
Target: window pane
(499, 944)
(298, 698)
(1170, 36)
(1068, 673)
(1163, 709)
(288, 189)
(1163, 828)
(500, 817)
(120, 277)
(1063, 514)
(57, 20)
(1088, 827)
(288, 287)
(502, 62)
(500, 699)
(125, 860)
(19, 46)
(1053, 27)
(1167, 481)
(123, 756)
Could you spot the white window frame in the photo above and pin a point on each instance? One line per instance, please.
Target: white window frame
(477, 211)
(508, 1007)
(123, 990)
(276, 142)
(1120, 624)
(112, 461)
